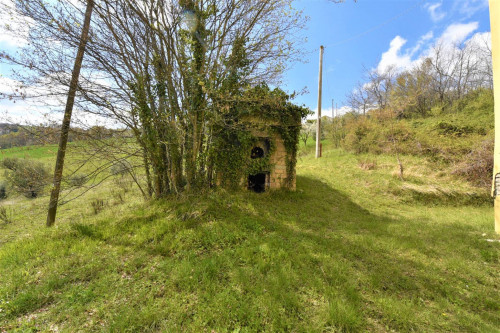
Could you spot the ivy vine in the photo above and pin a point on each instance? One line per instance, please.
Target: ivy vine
(257, 110)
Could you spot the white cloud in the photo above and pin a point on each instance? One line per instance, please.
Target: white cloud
(328, 112)
(422, 41)
(42, 107)
(470, 7)
(393, 56)
(435, 11)
(14, 29)
(457, 33)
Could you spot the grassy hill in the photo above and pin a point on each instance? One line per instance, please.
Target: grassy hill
(354, 249)
(457, 138)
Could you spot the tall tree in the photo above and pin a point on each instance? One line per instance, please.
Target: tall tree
(161, 68)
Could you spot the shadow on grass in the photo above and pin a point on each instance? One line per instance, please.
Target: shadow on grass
(311, 260)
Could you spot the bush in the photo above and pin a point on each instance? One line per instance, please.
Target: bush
(450, 129)
(10, 163)
(97, 205)
(27, 177)
(3, 191)
(360, 136)
(120, 168)
(77, 180)
(369, 135)
(367, 164)
(477, 166)
(5, 215)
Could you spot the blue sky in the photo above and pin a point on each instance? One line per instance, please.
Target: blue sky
(355, 34)
(353, 37)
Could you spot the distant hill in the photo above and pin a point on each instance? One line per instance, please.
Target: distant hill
(8, 128)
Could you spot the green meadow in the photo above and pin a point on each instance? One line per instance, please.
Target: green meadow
(353, 249)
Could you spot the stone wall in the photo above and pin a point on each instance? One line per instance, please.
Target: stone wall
(278, 174)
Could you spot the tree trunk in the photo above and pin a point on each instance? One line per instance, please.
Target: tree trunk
(61, 153)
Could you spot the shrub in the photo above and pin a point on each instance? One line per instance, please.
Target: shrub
(477, 166)
(5, 215)
(10, 163)
(118, 195)
(360, 136)
(369, 135)
(367, 164)
(3, 191)
(27, 177)
(77, 180)
(97, 205)
(120, 168)
(450, 129)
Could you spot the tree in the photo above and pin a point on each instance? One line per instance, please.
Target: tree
(379, 86)
(306, 131)
(360, 98)
(162, 69)
(411, 94)
(61, 152)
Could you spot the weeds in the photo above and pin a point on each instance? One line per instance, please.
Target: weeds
(367, 164)
(477, 166)
(123, 183)
(97, 205)
(77, 180)
(3, 191)
(119, 197)
(5, 215)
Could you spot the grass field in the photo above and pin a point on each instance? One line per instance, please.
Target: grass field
(351, 250)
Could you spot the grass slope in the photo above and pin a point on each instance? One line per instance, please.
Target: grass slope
(351, 250)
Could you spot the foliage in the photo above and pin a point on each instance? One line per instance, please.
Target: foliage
(450, 129)
(477, 166)
(337, 131)
(448, 74)
(3, 191)
(369, 135)
(77, 180)
(97, 205)
(28, 177)
(177, 70)
(306, 131)
(261, 115)
(120, 168)
(5, 215)
(457, 135)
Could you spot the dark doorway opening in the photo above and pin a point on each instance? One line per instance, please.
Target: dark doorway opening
(257, 183)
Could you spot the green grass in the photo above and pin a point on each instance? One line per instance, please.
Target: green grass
(351, 250)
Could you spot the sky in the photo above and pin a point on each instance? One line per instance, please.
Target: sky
(370, 34)
(374, 34)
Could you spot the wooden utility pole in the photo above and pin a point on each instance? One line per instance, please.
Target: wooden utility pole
(320, 87)
(63, 141)
(495, 53)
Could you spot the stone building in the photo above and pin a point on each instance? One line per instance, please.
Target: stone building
(272, 175)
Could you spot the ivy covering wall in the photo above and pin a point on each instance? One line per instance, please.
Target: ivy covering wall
(259, 113)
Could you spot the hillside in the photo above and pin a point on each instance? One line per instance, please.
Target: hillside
(458, 138)
(352, 250)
